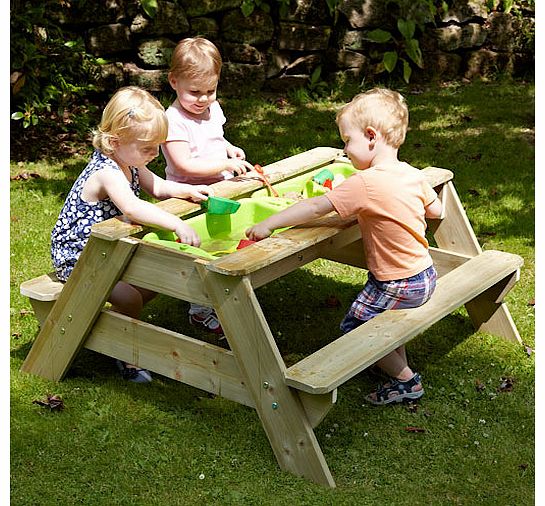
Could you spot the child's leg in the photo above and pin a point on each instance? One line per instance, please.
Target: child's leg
(375, 298)
(129, 300)
(395, 365)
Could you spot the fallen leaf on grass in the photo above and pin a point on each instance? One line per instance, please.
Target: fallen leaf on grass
(281, 102)
(332, 301)
(532, 302)
(24, 312)
(506, 384)
(473, 192)
(414, 429)
(25, 176)
(53, 402)
(479, 385)
(412, 407)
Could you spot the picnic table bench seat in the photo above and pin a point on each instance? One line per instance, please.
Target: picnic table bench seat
(42, 292)
(337, 362)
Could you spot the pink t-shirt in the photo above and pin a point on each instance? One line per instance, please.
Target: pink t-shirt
(205, 138)
(389, 201)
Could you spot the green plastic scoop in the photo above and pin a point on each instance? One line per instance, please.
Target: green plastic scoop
(220, 205)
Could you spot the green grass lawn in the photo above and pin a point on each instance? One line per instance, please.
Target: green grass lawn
(170, 444)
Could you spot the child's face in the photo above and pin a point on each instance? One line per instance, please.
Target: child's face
(135, 153)
(358, 145)
(195, 95)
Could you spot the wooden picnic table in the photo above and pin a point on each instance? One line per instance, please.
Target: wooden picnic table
(290, 401)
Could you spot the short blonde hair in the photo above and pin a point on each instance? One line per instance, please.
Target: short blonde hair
(131, 114)
(380, 108)
(195, 58)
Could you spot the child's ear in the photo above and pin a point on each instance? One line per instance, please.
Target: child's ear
(172, 81)
(371, 133)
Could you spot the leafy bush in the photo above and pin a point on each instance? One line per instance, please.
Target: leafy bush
(402, 39)
(47, 71)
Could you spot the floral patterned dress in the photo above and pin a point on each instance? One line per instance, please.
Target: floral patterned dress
(77, 216)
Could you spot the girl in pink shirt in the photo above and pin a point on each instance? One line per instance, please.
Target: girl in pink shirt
(391, 200)
(195, 149)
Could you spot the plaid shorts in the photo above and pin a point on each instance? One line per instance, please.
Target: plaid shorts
(378, 296)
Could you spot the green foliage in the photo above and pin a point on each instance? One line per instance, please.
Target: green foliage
(150, 7)
(510, 6)
(248, 6)
(47, 71)
(401, 40)
(317, 86)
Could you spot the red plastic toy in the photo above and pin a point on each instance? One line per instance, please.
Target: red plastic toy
(244, 242)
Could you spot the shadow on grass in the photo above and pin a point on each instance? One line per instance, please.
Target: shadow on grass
(298, 332)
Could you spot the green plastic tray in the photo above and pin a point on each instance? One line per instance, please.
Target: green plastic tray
(303, 184)
(221, 233)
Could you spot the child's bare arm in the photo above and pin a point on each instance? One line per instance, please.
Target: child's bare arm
(178, 156)
(161, 189)
(115, 186)
(434, 210)
(301, 212)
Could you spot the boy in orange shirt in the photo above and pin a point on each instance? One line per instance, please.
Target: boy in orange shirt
(391, 200)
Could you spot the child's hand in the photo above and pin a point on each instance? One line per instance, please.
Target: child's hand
(234, 152)
(199, 192)
(187, 235)
(258, 232)
(238, 166)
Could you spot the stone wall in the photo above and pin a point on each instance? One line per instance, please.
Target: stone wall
(269, 51)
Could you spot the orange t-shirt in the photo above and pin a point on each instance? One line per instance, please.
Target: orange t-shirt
(389, 201)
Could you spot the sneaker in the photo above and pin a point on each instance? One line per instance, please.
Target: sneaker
(207, 318)
(134, 374)
(395, 391)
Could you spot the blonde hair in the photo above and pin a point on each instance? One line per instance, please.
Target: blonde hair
(380, 108)
(195, 58)
(131, 114)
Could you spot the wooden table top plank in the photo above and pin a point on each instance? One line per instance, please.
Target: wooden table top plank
(117, 228)
(302, 237)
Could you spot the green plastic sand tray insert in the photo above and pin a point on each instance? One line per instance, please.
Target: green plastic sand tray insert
(221, 233)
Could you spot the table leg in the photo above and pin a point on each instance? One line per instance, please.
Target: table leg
(279, 408)
(454, 233)
(79, 304)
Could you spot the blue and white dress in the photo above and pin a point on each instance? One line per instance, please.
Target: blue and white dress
(76, 218)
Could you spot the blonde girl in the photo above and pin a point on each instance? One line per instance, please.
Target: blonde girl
(133, 126)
